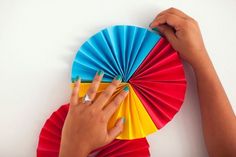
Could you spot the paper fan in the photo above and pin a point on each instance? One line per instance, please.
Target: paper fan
(150, 67)
(50, 137)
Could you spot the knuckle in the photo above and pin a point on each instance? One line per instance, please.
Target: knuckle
(74, 93)
(169, 14)
(106, 93)
(72, 99)
(169, 17)
(114, 84)
(194, 21)
(93, 111)
(96, 79)
(72, 102)
(166, 16)
(120, 98)
(91, 91)
(102, 118)
(186, 23)
(116, 102)
(189, 24)
(123, 95)
(171, 9)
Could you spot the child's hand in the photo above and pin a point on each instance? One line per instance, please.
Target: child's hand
(85, 127)
(183, 33)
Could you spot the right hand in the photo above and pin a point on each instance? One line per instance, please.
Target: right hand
(183, 34)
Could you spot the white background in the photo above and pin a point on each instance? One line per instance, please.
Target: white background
(39, 39)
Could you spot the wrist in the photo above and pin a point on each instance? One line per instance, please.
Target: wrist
(201, 61)
(73, 151)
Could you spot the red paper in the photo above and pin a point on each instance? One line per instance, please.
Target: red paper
(126, 148)
(160, 83)
(50, 137)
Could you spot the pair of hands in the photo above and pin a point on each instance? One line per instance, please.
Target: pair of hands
(85, 127)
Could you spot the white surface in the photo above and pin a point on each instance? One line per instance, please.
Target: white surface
(38, 40)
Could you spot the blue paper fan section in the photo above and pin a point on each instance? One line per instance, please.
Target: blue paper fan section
(117, 50)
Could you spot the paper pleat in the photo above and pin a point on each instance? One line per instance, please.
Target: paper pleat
(126, 148)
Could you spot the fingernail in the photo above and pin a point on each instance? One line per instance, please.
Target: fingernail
(123, 120)
(73, 80)
(77, 78)
(100, 72)
(126, 88)
(155, 29)
(118, 77)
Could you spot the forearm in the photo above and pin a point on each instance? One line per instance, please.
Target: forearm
(218, 119)
(67, 150)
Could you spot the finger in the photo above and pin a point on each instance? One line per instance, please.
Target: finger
(175, 12)
(95, 84)
(168, 32)
(112, 107)
(116, 130)
(107, 93)
(75, 92)
(172, 11)
(172, 20)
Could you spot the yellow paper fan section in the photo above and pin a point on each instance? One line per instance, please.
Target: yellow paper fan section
(138, 123)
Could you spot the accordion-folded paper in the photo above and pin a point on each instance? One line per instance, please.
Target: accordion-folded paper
(50, 137)
(148, 65)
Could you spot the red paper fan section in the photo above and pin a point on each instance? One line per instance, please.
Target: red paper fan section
(160, 83)
(126, 148)
(50, 137)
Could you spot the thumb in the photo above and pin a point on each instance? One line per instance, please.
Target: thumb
(116, 130)
(168, 32)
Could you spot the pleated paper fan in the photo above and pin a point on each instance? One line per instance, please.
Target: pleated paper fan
(149, 66)
(50, 137)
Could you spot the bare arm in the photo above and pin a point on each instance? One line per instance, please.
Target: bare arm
(218, 118)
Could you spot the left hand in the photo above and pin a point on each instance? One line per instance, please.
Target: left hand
(85, 127)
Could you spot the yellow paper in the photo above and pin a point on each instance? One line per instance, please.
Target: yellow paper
(138, 123)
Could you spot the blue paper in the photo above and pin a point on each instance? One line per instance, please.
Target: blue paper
(117, 50)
